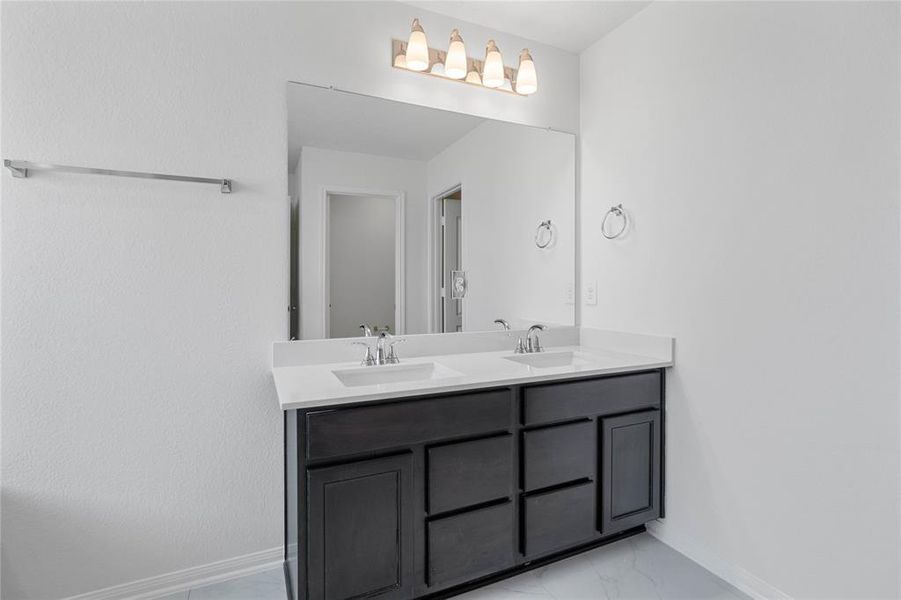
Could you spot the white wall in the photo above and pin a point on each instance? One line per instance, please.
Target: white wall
(756, 146)
(140, 430)
(331, 168)
(512, 178)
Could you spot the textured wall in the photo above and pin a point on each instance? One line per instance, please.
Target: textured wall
(756, 146)
(140, 432)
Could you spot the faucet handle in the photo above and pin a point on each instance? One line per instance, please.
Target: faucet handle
(368, 360)
(392, 355)
(520, 347)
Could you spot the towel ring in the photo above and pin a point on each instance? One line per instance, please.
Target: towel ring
(616, 211)
(550, 234)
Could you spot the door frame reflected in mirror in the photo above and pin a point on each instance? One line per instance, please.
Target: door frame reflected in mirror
(399, 198)
(436, 266)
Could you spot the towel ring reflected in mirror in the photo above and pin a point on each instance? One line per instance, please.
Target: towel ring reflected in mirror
(616, 211)
(544, 226)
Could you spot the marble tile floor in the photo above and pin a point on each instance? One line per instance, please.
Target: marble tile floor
(637, 568)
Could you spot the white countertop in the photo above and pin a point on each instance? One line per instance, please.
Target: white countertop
(314, 385)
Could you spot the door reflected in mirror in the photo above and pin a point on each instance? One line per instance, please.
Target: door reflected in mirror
(416, 220)
(362, 261)
(450, 290)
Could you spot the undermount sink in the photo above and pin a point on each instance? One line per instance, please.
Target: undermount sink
(377, 375)
(548, 360)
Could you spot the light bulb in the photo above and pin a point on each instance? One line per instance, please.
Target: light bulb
(526, 78)
(493, 70)
(417, 48)
(455, 63)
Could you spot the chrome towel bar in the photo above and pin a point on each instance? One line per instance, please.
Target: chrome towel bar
(20, 168)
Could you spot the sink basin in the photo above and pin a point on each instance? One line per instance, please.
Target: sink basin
(401, 373)
(549, 360)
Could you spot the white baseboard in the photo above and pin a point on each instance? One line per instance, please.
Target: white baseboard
(747, 582)
(180, 581)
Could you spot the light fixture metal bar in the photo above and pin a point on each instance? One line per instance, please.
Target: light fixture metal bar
(437, 56)
(20, 168)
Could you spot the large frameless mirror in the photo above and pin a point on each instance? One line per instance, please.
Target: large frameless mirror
(410, 219)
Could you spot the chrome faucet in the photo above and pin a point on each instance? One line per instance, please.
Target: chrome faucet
(367, 331)
(533, 343)
(381, 349)
(384, 349)
(503, 324)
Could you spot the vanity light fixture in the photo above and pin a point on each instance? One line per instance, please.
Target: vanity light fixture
(455, 63)
(493, 71)
(415, 55)
(526, 78)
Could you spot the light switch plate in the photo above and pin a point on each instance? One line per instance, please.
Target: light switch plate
(591, 293)
(570, 293)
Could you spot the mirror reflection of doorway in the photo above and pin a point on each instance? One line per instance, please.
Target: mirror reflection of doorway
(361, 254)
(451, 253)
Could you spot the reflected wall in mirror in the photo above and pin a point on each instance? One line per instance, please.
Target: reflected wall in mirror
(418, 220)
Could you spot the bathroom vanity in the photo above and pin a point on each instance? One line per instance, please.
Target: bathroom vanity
(394, 493)
(472, 454)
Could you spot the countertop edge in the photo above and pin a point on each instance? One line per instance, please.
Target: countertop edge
(651, 364)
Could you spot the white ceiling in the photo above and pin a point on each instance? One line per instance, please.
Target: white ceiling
(566, 24)
(351, 123)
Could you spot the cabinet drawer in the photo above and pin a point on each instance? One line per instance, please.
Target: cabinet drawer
(468, 473)
(348, 431)
(470, 545)
(558, 454)
(562, 401)
(559, 519)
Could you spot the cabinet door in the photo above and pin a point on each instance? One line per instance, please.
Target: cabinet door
(630, 471)
(361, 529)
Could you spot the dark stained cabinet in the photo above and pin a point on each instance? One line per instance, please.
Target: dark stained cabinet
(419, 497)
(631, 470)
(361, 529)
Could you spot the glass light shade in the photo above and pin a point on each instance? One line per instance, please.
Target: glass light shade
(493, 69)
(417, 48)
(400, 61)
(526, 78)
(455, 63)
(473, 77)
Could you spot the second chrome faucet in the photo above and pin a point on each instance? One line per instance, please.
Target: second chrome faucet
(532, 341)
